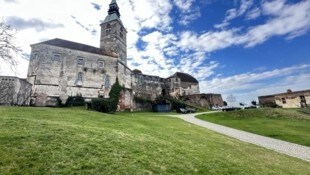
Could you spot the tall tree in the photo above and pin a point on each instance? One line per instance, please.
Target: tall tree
(8, 49)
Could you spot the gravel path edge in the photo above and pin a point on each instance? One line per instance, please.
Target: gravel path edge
(291, 149)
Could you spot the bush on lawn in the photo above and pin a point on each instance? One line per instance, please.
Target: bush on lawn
(177, 104)
(108, 105)
(102, 105)
(77, 100)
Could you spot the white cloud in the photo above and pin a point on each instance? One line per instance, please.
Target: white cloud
(35, 23)
(187, 18)
(291, 20)
(189, 12)
(166, 52)
(273, 7)
(253, 14)
(235, 12)
(184, 5)
(294, 77)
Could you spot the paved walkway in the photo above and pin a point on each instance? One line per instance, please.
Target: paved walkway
(291, 149)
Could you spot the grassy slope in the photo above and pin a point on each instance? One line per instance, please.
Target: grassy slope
(75, 141)
(285, 124)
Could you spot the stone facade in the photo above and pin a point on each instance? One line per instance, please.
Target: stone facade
(205, 100)
(113, 34)
(290, 99)
(14, 91)
(147, 86)
(182, 84)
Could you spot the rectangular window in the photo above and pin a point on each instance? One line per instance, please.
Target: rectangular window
(79, 80)
(107, 81)
(283, 100)
(100, 64)
(56, 57)
(108, 31)
(35, 56)
(80, 61)
(80, 77)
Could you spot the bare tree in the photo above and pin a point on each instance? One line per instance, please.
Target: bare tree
(8, 48)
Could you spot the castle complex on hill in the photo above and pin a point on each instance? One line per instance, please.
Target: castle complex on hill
(59, 68)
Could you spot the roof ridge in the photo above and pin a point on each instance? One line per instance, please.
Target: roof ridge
(77, 46)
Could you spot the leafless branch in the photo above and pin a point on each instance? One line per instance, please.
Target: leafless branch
(8, 49)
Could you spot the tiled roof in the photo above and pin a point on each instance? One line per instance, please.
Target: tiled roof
(185, 77)
(77, 46)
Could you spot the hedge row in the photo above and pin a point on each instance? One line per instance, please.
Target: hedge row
(108, 105)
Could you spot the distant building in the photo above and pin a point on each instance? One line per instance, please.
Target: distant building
(290, 99)
(14, 91)
(182, 84)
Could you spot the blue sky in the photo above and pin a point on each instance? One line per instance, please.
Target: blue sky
(242, 47)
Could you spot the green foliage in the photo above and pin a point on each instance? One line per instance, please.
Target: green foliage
(78, 141)
(285, 124)
(108, 105)
(142, 100)
(254, 103)
(77, 100)
(177, 104)
(224, 103)
(102, 105)
(114, 96)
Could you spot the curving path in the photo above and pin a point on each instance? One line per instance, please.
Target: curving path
(291, 149)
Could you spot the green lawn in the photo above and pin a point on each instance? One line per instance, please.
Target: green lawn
(76, 141)
(291, 125)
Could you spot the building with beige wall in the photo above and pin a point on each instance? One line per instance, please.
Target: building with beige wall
(290, 99)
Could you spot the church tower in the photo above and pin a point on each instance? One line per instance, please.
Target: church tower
(113, 33)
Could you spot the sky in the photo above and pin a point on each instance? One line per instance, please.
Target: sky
(244, 48)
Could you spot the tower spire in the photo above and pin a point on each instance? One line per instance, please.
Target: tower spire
(114, 9)
(113, 33)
